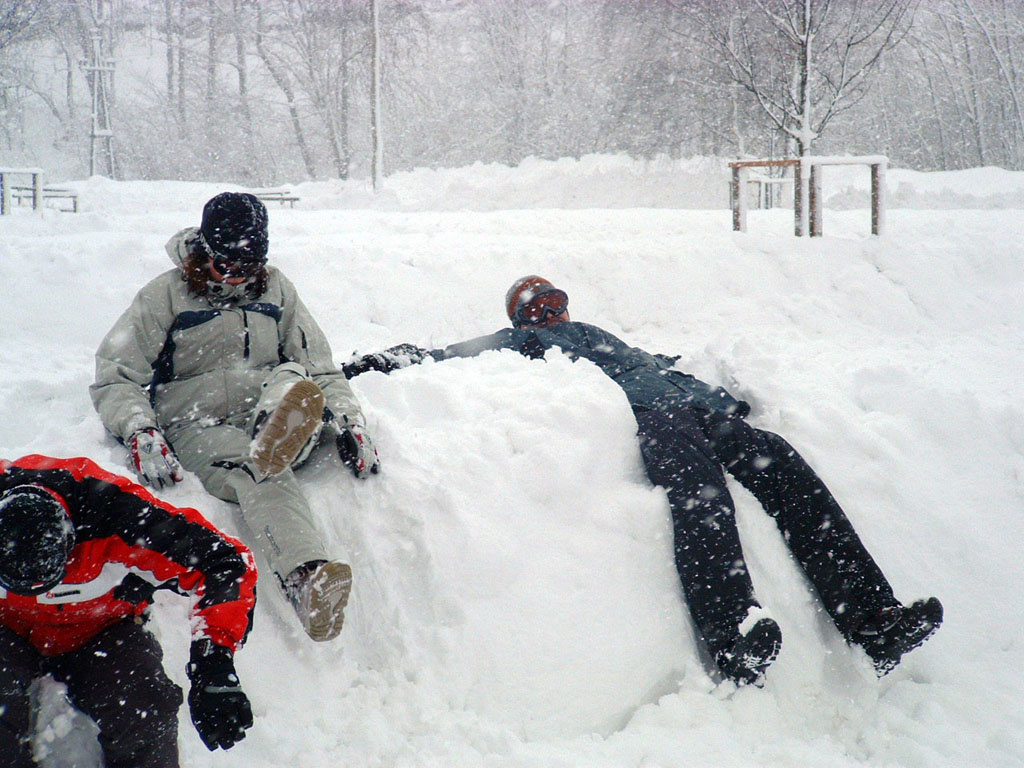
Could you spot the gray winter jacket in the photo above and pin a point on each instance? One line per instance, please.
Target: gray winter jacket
(649, 381)
(174, 359)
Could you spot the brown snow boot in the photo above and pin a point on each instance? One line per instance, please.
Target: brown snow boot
(319, 592)
(288, 428)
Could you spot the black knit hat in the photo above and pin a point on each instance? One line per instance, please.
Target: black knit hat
(235, 227)
(36, 537)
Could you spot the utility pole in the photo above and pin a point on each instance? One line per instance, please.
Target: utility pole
(99, 72)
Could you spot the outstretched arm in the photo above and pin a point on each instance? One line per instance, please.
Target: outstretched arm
(391, 359)
(403, 355)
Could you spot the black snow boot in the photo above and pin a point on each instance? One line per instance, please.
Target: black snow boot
(897, 630)
(745, 661)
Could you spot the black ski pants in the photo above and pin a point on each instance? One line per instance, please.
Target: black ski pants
(686, 450)
(117, 679)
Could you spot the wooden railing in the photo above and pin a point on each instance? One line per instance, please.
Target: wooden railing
(17, 184)
(7, 176)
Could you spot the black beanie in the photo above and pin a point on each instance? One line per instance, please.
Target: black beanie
(235, 225)
(36, 537)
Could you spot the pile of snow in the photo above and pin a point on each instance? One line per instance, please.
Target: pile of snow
(592, 181)
(515, 602)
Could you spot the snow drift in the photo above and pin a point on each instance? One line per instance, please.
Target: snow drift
(515, 602)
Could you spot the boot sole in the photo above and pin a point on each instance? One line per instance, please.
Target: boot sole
(329, 591)
(289, 428)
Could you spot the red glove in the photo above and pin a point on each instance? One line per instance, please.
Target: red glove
(152, 458)
(357, 451)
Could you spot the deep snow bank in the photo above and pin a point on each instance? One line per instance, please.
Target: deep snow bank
(515, 604)
(592, 181)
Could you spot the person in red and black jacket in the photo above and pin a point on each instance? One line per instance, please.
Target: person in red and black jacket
(81, 553)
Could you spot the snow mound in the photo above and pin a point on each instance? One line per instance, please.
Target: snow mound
(515, 602)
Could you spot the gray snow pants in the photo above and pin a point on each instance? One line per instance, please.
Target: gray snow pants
(117, 679)
(274, 509)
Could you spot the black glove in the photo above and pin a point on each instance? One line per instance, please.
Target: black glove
(532, 347)
(220, 710)
(389, 360)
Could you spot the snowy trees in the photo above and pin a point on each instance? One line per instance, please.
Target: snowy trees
(803, 61)
(953, 95)
(263, 91)
(16, 18)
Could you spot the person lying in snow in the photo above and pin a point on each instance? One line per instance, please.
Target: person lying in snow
(81, 553)
(217, 363)
(689, 432)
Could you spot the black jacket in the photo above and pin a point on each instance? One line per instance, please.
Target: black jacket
(649, 381)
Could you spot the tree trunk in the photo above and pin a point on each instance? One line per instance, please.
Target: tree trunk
(182, 114)
(375, 106)
(281, 79)
(803, 141)
(254, 167)
(972, 90)
(343, 103)
(169, 22)
(211, 59)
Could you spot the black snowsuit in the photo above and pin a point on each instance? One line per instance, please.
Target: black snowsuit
(689, 431)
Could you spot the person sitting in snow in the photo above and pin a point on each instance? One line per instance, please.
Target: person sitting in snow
(689, 433)
(81, 553)
(217, 367)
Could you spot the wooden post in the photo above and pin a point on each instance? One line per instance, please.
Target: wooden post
(739, 202)
(37, 191)
(877, 198)
(798, 201)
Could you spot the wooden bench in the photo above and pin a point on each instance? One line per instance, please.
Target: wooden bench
(19, 193)
(278, 196)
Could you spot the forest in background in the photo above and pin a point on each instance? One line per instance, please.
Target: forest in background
(261, 92)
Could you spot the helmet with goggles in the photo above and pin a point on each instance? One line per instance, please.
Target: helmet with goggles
(36, 538)
(532, 299)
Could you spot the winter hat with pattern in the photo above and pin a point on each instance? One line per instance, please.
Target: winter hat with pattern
(235, 225)
(522, 291)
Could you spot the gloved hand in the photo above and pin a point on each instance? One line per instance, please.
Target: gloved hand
(220, 710)
(357, 451)
(151, 457)
(391, 359)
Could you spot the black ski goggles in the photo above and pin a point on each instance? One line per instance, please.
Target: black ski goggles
(550, 303)
(233, 264)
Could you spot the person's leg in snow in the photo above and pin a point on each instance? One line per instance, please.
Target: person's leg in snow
(287, 419)
(118, 680)
(277, 514)
(708, 553)
(852, 587)
(20, 665)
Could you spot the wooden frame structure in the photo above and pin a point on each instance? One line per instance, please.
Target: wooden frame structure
(6, 187)
(35, 190)
(814, 164)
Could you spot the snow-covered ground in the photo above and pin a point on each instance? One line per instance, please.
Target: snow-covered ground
(515, 601)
